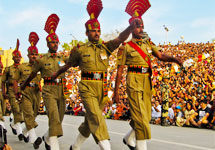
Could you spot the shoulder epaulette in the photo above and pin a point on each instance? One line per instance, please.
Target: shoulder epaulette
(105, 47)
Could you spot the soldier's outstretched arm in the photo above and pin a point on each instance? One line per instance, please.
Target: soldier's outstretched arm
(72, 61)
(61, 70)
(15, 86)
(167, 58)
(117, 83)
(28, 80)
(125, 34)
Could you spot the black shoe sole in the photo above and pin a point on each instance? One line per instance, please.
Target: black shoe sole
(21, 137)
(130, 147)
(70, 148)
(13, 130)
(26, 139)
(37, 143)
(46, 145)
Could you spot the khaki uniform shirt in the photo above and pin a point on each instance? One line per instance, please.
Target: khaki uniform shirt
(91, 57)
(22, 73)
(48, 64)
(9, 73)
(132, 57)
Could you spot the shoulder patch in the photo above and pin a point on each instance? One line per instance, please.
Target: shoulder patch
(41, 55)
(103, 42)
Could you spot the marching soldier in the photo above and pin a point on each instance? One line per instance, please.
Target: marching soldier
(2, 104)
(136, 54)
(52, 90)
(30, 99)
(7, 79)
(165, 99)
(92, 58)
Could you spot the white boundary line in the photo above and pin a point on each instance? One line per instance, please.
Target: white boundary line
(157, 140)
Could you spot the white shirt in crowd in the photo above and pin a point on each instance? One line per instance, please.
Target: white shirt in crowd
(155, 113)
(171, 113)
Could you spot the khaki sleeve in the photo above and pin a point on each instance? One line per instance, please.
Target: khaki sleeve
(5, 74)
(121, 55)
(155, 49)
(65, 58)
(74, 57)
(37, 65)
(111, 46)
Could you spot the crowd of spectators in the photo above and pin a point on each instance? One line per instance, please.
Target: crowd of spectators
(191, 87)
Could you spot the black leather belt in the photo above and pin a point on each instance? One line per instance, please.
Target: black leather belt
(138, 69)
(10, 84)
(49, 81)
(95, 75)
(32, 84)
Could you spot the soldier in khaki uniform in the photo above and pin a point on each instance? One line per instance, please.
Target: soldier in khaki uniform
(7, 79)
(30, 99)
(92, 58)
(2, 103)
(136, 54)
(52, 91)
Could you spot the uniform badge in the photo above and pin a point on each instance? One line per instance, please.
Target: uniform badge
(103, 56)
(61, 63)
(95, 24)
(149, 49)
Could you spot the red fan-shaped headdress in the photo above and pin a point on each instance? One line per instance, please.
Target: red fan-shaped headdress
(94, 8)
(51, 26)
(16, 52)
(136, 8)
(33, 39)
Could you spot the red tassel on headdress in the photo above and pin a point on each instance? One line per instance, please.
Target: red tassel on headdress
(51, 26)
(33, 39)
(16, 52)
(94, 8)
(136, 8)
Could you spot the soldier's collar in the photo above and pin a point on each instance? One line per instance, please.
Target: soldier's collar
(29, 64)
(53, 54)
(16, 65)
(89, 43)
(137, 41)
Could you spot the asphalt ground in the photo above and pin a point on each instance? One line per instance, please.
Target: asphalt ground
(163, 138)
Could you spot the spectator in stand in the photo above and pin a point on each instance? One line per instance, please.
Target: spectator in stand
(203, 116)
(119, 110)
(156, 112)
(189, 111)
(42, 110)
(171, 115)
(70, 108)
(179, 117)
(78, 110)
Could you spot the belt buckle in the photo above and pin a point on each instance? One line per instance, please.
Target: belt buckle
(144, 70)
(97, 76)
(32, 84)
(57, 80)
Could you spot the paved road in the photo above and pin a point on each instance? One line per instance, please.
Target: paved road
(163, 138)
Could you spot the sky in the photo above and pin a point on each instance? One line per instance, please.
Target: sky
(192, 19)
